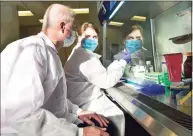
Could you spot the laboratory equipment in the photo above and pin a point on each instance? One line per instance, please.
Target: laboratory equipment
(153, 76)
(146, 86)
(163, 104)
(174, 66)
(188, 65)
(149, 67)
(184, 101)
(164, 67)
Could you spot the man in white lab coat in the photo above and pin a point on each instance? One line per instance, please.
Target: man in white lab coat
(33, 85)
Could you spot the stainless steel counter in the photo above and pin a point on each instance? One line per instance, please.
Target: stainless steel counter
(151, 119)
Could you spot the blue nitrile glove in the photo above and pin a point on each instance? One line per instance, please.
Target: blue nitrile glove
(126, 56)
(123, 55)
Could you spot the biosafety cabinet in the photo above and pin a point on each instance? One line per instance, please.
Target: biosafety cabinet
(161, 21)
(167, 30)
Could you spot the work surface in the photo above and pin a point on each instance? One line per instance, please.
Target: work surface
(157, 115)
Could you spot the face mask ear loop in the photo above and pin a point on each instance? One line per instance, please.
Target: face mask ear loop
(144, 48)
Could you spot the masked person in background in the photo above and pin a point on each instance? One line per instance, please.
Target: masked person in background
(134, 47)
(86, 76)
(33, 86)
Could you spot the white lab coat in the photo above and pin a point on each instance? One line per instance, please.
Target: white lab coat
(33, 91)
(137, 61)
(86, 76)
(137, 58)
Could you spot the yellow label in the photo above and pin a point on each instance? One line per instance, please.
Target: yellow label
(186, 97)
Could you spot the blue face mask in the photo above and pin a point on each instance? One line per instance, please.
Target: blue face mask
(89, 44)
(133, 45)
(70, 40)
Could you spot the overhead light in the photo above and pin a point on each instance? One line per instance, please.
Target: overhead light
(76, 11)
(116, 23)
(25, 13)
(139, 18)
(41, 20)
(116, 9)
(81, 11)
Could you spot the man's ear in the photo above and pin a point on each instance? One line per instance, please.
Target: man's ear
(62, 26)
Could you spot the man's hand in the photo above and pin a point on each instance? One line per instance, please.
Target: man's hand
(86, 116)
(94, 131)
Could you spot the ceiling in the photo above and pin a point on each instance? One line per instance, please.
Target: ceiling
(38, 8)
(149, 9)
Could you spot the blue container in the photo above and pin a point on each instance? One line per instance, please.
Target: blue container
(146, 86)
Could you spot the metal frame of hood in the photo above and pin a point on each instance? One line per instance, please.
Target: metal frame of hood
(149, 121)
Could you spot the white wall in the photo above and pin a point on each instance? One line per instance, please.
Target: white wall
(168, 25)
(9, 25)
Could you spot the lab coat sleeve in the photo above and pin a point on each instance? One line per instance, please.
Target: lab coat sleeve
(118, 56)
(73, 108)
(25, 96)
(44, 123)
(98, 75)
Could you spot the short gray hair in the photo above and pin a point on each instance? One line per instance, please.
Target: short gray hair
(57, 13)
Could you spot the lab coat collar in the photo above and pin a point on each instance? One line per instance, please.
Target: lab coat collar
(48, 41)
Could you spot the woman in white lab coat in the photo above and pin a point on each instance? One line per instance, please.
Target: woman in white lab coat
(134, 45)
(86, 76)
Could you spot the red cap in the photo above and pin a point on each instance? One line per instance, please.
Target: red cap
(189, 54)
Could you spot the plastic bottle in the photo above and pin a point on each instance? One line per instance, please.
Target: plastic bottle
(149, 67)
(188, 65)
(164, 67)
